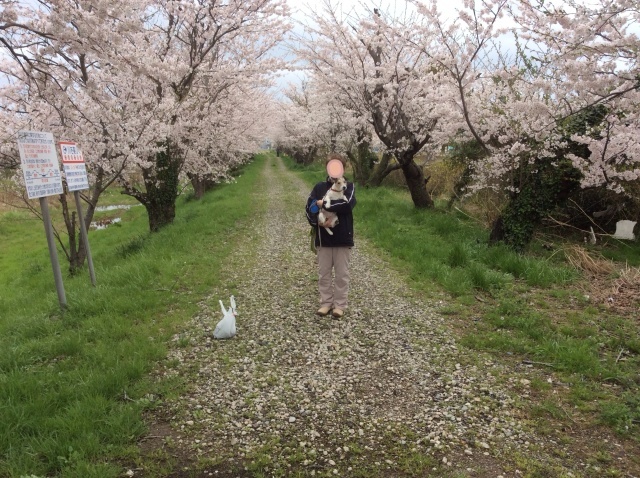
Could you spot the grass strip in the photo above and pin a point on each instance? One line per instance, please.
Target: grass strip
(74, 385)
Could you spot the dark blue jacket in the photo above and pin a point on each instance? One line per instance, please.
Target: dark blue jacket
(343, 231)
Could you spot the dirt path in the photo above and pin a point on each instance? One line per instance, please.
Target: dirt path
(383, 392)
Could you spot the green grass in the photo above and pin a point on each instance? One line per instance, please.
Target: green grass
(114, 197)
(446, 249)
(73, 384)
(529, 308)
(621, 251)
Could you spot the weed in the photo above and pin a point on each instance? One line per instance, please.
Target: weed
(458, 257)
(416, 463)
(548, 408)
(183, 341)
(134, 246)
(623, 417)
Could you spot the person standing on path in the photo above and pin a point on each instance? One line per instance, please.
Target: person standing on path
(334, 251)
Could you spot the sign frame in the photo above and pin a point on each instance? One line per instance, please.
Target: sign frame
(75, 169)
(39, 163)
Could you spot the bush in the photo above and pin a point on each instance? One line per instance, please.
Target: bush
(485, 206)
(443, 177)
(601, 208)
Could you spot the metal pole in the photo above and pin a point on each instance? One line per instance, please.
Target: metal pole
(53, 252)
(85, 237)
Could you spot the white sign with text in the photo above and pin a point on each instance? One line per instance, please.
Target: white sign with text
(40, 166)
(75, 170)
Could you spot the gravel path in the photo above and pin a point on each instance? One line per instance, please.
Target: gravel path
(383, 392)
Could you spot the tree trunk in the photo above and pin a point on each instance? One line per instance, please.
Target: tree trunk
(161, 184)
(416, 183)
(201, 185)
(382, 170)
(80, 257)
(161, 213)
(362, 162)
(70, 224)
(360, 175)
(295, 154)
(497, 231)
(310, 156)
(77, 254)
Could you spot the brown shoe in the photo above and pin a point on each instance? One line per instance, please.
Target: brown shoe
(322, 311)
(337, 313)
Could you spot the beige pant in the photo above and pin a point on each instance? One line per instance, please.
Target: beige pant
(336, 259)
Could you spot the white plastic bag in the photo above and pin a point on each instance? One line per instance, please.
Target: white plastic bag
(226, 328)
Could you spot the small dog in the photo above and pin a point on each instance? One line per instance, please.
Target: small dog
(336, 192)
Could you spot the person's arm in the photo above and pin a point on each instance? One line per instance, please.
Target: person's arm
(340, 206)
(311, 217)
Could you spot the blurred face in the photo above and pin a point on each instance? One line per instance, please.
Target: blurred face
(335, 168)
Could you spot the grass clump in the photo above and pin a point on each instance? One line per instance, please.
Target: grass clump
(458, 256)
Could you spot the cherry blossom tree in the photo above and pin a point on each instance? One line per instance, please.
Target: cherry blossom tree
(49, 78)
(359, 140)
(234, 133)
(370, 62)
(354, 137)
(556, 115)
(194, 52)
(305, 123)
(146, 83)
(591, 59)
(314, 121)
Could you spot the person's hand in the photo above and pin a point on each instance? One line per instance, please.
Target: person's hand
(319, 202)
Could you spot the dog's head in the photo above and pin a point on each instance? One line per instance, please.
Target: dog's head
(339, 184)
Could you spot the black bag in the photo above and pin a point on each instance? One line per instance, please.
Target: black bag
(312, 233)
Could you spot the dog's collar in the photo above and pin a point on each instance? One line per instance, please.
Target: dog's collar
(336, 190)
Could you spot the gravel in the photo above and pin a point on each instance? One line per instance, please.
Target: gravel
(386, 382)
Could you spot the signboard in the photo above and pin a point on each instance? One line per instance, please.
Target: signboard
(39, 164)
(74, 167)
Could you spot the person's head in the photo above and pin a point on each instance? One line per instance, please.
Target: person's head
(333, 164)
(337, 156)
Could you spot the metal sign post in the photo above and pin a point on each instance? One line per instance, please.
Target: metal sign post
(53, 252)
(76, 174)
(42, 178)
